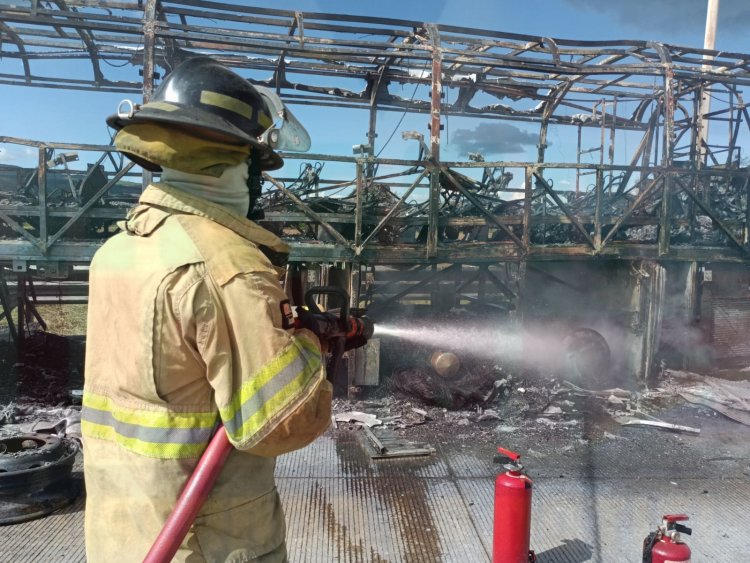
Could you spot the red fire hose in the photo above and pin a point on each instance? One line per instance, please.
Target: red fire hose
(191, 499)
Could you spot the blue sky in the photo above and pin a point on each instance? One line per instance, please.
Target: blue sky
(55, 115)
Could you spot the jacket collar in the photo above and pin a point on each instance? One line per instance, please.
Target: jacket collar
(168, 198)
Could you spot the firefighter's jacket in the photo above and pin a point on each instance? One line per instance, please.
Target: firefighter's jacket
(187, 332)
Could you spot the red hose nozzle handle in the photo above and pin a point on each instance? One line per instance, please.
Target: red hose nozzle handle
(507, 453)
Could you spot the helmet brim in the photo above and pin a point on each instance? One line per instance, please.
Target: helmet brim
(195, 118)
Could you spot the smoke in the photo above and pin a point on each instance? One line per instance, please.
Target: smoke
(734, 15)
(492, 138)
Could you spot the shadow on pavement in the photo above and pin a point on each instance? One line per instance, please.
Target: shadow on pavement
(572, 551)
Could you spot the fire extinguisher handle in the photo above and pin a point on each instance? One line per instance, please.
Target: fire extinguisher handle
(675, 517)
(683, 529)
(507, 453)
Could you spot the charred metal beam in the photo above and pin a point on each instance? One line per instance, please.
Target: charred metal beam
(89, 204)
(412, 288)
(624, 217)
(478, 204)
(90, 44)
(564, 208)
(384, 221)
(42, 194)
(13, 224)
(149, 43)
(309, 212)
(508, 292)
(21, 49)
(714, 217)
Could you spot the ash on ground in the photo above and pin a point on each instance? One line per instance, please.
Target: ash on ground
(551, 416)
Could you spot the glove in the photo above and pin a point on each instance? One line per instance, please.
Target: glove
(312, 322)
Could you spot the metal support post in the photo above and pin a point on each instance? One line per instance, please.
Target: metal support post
(435, 107)
(42, 194)
(149, 66)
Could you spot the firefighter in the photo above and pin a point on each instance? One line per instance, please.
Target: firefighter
(189, 329)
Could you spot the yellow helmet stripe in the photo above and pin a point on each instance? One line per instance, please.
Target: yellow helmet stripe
(264, 119)
(227, 102)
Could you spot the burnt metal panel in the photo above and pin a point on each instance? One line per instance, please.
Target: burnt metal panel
(731, 331)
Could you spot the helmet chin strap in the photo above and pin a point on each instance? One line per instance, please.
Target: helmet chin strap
(254, 187)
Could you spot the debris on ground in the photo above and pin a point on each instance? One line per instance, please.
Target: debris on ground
(40, 419)
(627, 421)
(730, 398)
(488, 414)
(472, 387)
(356, 416)
(608, 394)
(47, 367)
(541, 408)
(383, 444)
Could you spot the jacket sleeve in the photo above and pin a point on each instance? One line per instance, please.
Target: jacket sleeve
(269, 382)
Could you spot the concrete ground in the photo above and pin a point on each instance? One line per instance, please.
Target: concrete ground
(598, 490)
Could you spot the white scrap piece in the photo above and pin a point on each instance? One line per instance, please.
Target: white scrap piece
(367, 419)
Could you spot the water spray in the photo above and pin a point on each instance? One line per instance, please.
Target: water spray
(584, 353)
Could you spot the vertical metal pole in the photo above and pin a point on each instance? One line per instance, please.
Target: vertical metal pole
(7, 307)
(372, 135)
(598, 211)
(664, 218)
(520, 295)
(603, 130)
(578, 161)
(695, 131)
(21, 304)
(667, 156)
(355, 358)
(436, 94)
(42, 181)
(358, 209)
(709, 42)
(528, 194)
(435, 108)
(434, 212)
(730, 137)
(612, 132)
(149, 44)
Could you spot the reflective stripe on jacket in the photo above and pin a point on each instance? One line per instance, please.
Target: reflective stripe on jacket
(185, 332)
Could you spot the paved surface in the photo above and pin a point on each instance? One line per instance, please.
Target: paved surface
(592, 502)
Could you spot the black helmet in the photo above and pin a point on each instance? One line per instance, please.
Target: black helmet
(203, 93)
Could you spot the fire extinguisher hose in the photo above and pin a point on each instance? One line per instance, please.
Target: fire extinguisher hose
(191, 499)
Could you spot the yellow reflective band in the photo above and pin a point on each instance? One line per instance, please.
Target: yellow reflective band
(152, 419)
(274, 405)
(269, 390)
(227, 102)
(160, 434)
(147, 449)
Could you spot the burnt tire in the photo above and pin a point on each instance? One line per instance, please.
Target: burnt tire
(35, 476)
(587, 355)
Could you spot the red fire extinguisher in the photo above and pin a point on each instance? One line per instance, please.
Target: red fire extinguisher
(665, 544)
(511, 535)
